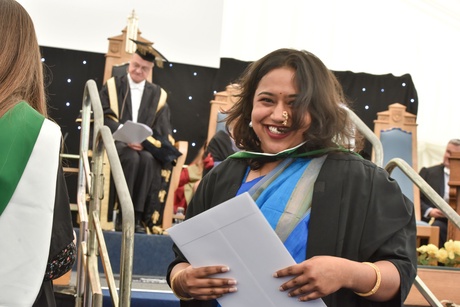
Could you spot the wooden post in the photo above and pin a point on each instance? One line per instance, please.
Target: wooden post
(168, 211)
(454, 201)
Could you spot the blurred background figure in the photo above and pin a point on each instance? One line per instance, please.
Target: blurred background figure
(37, 243)
(437, 177)
(132, 97)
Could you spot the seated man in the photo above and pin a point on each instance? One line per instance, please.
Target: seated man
(438, 178)
(132, 97)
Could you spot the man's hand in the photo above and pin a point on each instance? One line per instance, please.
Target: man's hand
(136, 146)
(436, 213)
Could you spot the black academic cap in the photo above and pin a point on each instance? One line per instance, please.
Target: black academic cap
(148, 53)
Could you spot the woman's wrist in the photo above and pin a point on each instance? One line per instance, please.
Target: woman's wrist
(177, 288)
(378, 280)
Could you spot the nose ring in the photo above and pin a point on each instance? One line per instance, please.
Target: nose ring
(286, 117)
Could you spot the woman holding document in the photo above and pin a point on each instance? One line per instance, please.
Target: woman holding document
(343, 219)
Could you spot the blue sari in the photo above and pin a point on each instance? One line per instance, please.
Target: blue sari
(284, 197)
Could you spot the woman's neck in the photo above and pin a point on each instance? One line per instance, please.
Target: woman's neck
(264, 170)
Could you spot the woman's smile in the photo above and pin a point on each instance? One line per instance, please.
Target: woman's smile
(272, 111)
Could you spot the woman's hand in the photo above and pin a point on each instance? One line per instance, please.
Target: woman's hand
(315, 278)
(323, 275)
(199, 283)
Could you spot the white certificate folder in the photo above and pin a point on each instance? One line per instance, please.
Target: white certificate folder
(237, 235)
(132, 132)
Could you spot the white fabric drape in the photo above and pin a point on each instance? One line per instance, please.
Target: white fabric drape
(26, 222)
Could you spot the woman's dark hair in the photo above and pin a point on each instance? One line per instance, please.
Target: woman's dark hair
(319, 93)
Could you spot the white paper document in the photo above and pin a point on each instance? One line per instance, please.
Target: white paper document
(237, 235)
(132, 132)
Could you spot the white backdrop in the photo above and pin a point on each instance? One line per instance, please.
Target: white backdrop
(419, 37)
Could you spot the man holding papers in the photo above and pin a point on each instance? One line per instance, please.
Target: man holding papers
(132, 98)
(344, 221)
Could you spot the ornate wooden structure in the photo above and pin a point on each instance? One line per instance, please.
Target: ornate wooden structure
(222, 101)
(397, 117)
(120, 51)
(454, 199)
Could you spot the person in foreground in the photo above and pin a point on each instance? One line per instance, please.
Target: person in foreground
(37, 243)
(350, 229)
(437, 177)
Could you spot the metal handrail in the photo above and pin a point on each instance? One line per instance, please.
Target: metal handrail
(88, 289)
(369, 135)
(81, 197)
(104, 139)
(424, 187)
(426, 292)
(439, 202)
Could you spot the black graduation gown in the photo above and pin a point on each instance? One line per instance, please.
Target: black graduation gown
(434, 176)
(358, 212)
(158, 119)
(61, 236)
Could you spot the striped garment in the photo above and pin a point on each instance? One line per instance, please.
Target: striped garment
(29, 159)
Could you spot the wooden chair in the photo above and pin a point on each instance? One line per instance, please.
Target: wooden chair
(168, 212)
(119, 53)
(397, 131)
(222, 101)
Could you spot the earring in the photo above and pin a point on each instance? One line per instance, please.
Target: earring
(286, 117)
(250, 124)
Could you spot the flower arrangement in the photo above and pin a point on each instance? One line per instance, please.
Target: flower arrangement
(449, 255)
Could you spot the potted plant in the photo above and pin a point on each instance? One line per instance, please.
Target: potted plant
(449, 255)
(439, 269)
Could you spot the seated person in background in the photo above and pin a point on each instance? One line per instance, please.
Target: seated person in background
(190, 177)
(37, 242)
(343, 219)
(221, 146)
(437, 177)
(141, 101)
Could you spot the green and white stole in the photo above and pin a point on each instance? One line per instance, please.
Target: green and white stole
(29, 160)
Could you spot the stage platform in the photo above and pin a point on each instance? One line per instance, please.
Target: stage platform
(152, 255)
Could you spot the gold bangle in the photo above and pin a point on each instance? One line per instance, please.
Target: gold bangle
(377, 283)
(182, 298)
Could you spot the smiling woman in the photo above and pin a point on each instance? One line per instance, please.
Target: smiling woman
(272, 105)
(343, 220)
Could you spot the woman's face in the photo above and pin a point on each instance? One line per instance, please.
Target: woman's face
(274, 96)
